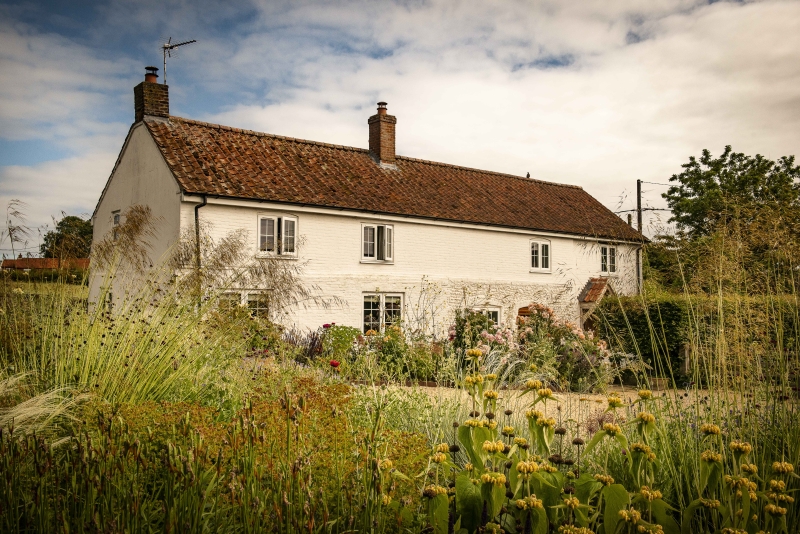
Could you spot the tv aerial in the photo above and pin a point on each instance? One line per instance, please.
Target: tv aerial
(167, 48)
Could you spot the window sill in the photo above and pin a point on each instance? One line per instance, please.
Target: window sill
(378, 262)
(609, 275)
(540, 271)
(263, 256)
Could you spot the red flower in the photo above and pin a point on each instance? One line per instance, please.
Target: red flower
(326, 325)
(334, 364)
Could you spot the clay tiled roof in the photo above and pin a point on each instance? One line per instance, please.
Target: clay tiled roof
(594, 290)
(46, 263)
(229, 162)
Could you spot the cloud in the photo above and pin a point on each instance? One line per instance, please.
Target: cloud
(596, 93)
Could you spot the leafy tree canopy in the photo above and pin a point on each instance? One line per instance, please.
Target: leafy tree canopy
(713, 190)
(72, 238)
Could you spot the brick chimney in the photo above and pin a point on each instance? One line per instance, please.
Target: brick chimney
(151, 99)
(381, 136)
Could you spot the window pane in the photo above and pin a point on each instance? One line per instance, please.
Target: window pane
(391, 313)
(289, 235)
(493, 316)
(266, 234)
(534, 255)
(604, 259)
(258, 303)
(612, 259)
(381, 242)
(369, 241)
(372, 313)
(389, 244)
(545, 256)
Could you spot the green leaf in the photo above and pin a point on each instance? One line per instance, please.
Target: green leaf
(616, 498)
(664, 518)
(468, 503)
(585, 487)
(622, 440)
(498, 498)
(539, 521)
(437, 513)
(599, 435)
(465, 437)
(686, 523)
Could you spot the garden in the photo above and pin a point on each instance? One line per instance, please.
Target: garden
(178, 411)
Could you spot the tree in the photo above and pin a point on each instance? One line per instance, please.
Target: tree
(716, 190)
(72, 238)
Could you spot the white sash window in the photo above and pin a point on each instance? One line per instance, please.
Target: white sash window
(277, 235)
(377, 243)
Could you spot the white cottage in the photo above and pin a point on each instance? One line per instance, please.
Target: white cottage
(393, 238)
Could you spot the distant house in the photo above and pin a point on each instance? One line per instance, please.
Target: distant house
(388, 235)
(41, 264)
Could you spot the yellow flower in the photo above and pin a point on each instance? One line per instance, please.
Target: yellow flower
(606, 480)
(520, 441)
(508, 430)
(645, 394)
(469, 467)
(545, 393)
(491, 376)
(650, 495)
(442, 447)
(386, 499)
(611, 429)
(741, 447)
(491, 394)
(710, 456)
(782, 468)
(439, 457)
(542, 421)
(371, 333)
(526, 468)
(615, 402)
(497, 479)
(385, 465)
(533, 384)
(646, 417)
(491, 425)
(750, 469)
(534, 414)
(432, 490)
(710, 430)
(571, 502)
(474, 353)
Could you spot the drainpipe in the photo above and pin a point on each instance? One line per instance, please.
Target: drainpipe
(197, 243)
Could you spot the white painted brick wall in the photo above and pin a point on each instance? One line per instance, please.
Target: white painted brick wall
(460, 265)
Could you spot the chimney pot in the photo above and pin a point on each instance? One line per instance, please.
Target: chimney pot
(382, 136)
(151, 75)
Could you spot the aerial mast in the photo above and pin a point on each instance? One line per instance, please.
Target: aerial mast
(167, 49)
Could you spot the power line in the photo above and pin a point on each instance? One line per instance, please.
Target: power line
(656, 183)
(644, 209)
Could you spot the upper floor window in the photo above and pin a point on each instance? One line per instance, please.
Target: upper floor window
(277, 235)
(540, 255)
(115, 219)
(608, 259)
(377, 242)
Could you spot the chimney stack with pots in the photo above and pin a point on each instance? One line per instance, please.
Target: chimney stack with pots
(381, 136)
(151, 99)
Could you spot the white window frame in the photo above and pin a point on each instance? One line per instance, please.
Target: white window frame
(535, 263)
(489, 312)
(609, 259)
(116, 217)
(381, 244)
(255, 297)
(381, 311)
(276, 243)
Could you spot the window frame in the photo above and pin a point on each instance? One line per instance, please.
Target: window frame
(609, 259)
(382, 243)
(256, 297)
(116, 218)
(382, 322)
(487, 310)
(540, 243)
(278, 235)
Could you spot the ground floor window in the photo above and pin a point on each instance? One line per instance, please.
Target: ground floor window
(382, 310)
(491, 313)
(258, 304)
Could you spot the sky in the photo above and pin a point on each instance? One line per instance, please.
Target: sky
(592, 93)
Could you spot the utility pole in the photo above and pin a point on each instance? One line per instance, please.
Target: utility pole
(639, 227)
(639, 205)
